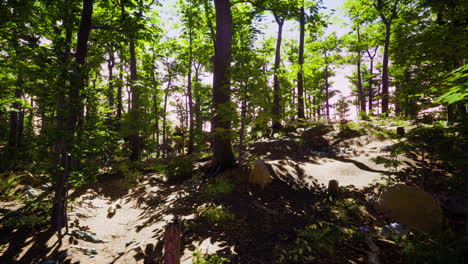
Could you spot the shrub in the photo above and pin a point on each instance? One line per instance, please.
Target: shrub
(217, 214)
(207, 259)
(218, 188)
(179, 169)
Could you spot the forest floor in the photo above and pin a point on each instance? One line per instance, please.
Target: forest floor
(114, 222)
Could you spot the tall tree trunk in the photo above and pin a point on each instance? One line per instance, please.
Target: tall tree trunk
(222, 149)
(119, 93)
(385, 81)
(371, 78)
(300, 79)
(77, 82)
(276, 124)
(16, 117)
(327, 100)
(190, 100)
(197, 110)
(134, 138)
(110, 67)
(164, 115)
(362, 98)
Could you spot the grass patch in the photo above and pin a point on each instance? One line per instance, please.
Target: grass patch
(217, 214)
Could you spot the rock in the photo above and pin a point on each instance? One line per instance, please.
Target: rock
(394, 228)
(45, 187)
(113, 209)
(87, 251)
(386, 148)
(129, 243)
(411, 206)
(30, 192)
(260, 174)
(87, 236)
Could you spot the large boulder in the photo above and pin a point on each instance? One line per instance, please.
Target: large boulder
(411, 206)
(260, 174)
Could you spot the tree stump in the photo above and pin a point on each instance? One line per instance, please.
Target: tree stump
(172, 243)
(400, 131)
(333, 188)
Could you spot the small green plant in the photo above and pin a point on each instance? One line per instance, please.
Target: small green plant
(314, 242)
(179, 169)
(217, 214)
(199, 258)
(437, 248)
(8, 185)
(218, 188)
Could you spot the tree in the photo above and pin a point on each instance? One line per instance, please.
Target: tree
(223, 156)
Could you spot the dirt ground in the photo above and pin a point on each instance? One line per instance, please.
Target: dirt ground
(130, 221)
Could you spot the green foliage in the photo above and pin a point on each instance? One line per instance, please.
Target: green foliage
(314, 242)
(218, 188)
(179, 169)
(217, 214)
(436, 248)
(200, 258)
(8, 181)
(35, 213)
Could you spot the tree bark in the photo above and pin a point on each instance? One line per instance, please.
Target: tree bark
(134, 138)
(276, 124)
(300, 79)
(327, 103)
(223, 156)
(190, 100)
(119, 93)
(371, 73)
(362, 98)
(166, 94)
(77, 82)
(385, 81)
(110, 67)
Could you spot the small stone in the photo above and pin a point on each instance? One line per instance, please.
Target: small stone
(87, 251)
(30, 192)
(87, 236)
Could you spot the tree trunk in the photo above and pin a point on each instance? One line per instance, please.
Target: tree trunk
(327, 103)
(371, 69)
(110, 67)
(222, 149)
(197, 110)
(77, 82)
(16, 117)
(276, 125)
(385, 81)
(166, 94)
(362, 98)
(119, 93)
(300, 79)
(190, 100)
(134, 138)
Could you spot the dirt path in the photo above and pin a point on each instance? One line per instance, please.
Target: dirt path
(129, 222)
